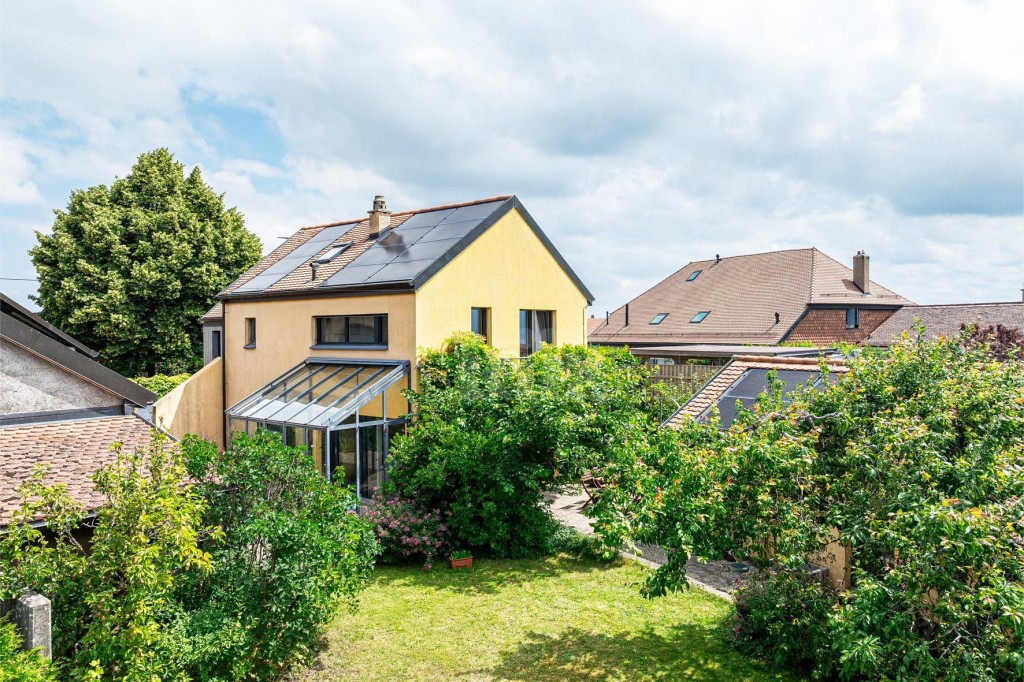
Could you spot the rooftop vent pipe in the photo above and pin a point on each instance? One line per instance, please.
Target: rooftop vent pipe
(627, 316)
(718, 259)
(776, 318)
(380, 217)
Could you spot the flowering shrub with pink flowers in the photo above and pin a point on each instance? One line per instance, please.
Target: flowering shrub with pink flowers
(406, 532)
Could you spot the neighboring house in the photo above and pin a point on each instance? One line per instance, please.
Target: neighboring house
(945, 320)
(745, 377)
(60, 407)
(763, 299)
(318, 340)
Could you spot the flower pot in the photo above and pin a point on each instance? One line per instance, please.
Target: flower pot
(466, 562)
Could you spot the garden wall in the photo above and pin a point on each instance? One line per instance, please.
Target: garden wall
(195, 406)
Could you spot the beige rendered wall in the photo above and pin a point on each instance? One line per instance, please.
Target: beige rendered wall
(284, 334)
(195, 406)
(506, 269)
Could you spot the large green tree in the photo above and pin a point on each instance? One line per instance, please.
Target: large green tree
(129, 269)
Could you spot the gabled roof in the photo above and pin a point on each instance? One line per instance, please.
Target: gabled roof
(945, 320)
(741, 295)
(34, 334)
(418, 244)
(713, 391)
(73, 449)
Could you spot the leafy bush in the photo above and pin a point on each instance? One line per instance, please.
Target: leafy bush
(405, 532)
(914, 461)
(161, 384)
(229, 574)
(16, 664)
(566, 540)
(491, 436)
(289, 553)
(783, 617)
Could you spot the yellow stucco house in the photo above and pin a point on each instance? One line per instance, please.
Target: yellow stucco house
(319, 338)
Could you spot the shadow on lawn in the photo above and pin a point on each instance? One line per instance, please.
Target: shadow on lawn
(686, 652)
(488, 576)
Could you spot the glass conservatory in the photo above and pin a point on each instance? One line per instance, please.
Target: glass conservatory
(344, 412)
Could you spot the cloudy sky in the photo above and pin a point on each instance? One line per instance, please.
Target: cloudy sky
(640, 135)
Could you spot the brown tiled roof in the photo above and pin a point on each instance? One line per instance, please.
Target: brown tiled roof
(593, 323)
(72, 449)
(742, 293)
(214, 314)
(720, 383)
(945, 320)
(358, 234)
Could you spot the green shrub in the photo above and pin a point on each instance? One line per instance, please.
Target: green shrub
(161, 384)
(783, 617)
(289, 553)
(915, 458)
(18, 665)
(490, 436)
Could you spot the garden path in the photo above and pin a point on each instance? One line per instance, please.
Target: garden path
(714, 576)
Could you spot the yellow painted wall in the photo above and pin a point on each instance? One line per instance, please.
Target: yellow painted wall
(506, 269)
(195, 406)
(284, 334)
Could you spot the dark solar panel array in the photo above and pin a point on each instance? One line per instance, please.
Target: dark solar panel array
(296, 258)
(755, 382)
(412, 247)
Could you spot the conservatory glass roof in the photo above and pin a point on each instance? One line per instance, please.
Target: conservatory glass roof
(320, 392)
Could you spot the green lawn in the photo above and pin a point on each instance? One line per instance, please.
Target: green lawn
(547, 619)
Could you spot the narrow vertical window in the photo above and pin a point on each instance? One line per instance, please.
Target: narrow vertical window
(250, 332)
(215, 342)
(852, 318)
(480, 322)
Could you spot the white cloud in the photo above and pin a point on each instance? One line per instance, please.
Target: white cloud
(640, 135)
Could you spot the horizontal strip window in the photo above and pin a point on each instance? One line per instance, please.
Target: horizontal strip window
(352, 331)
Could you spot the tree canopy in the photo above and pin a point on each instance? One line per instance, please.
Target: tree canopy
(129, 269)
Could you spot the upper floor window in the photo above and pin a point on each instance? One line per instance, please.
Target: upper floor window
(699, 317)
(250, 332)
(535, 327)
(480, 321)
(852, 318)
(352, 330)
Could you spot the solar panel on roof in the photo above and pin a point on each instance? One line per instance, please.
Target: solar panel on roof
(753, 383)
(351, 274)
(290, 261)
(476, 211)
(450, 231)
(400, 272)
(428, 219)
(425, 250)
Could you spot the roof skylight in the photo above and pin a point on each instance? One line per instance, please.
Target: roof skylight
(334, 253)
(699, 317)
(658, 318)
(693, 275)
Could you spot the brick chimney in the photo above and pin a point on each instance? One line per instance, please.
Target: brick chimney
(380, 217)
(862, 272)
